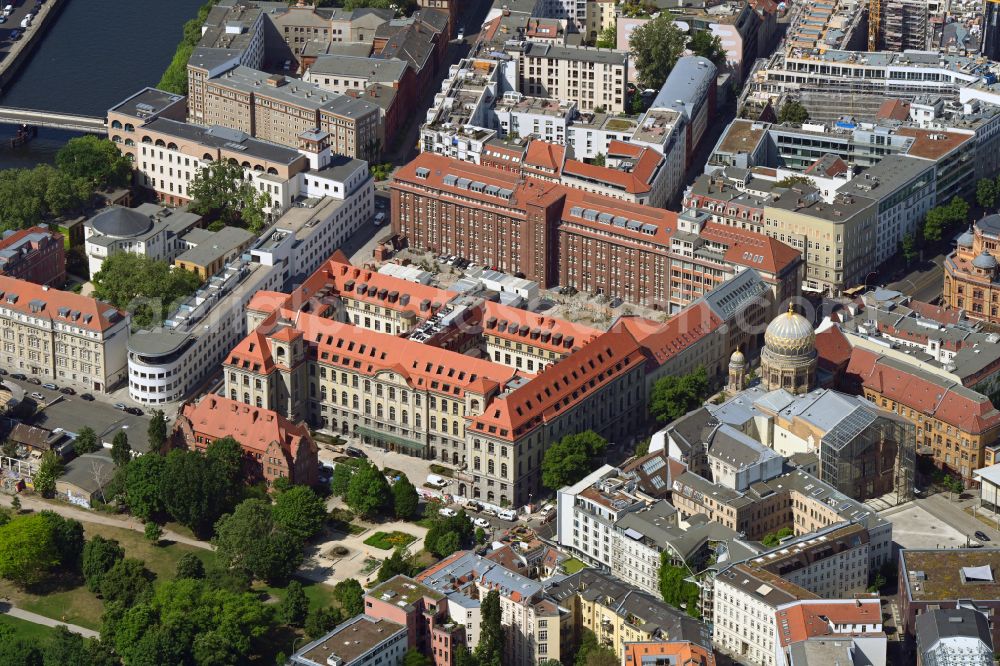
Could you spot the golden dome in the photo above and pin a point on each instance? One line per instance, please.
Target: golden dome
(790, 334)
(737, 358)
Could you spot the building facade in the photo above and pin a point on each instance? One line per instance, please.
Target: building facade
(35, 254)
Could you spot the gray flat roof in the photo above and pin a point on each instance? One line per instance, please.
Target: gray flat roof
(292, 91)
(372, 69)
(584, 54)
(146, 102)
(881, 180)
(220, 244)
(223, 138)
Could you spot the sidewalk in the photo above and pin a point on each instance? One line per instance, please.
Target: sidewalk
(10, 609)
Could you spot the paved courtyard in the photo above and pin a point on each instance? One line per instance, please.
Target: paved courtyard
(321, 566)
(915, 527)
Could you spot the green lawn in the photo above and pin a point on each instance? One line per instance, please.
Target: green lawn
(390, 540)
(36, 634)
(573, 565)
(76, 604)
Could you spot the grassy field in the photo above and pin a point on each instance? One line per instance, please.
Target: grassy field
(34, 633)
(390, 540)
(72, 602)
(573, 565)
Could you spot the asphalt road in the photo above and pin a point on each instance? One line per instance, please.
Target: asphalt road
(925, 282)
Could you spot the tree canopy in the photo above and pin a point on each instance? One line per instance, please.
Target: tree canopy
(368, 492)
(448, 534)
(405, 500)
(656, 46)
(674, 396)
(675, 589)
(300, 511)
(223, 192)
(351, 597)
(192, 491)
(703, 43)
(142, 485)
(121, 450)
(793, 112)
(489, 651)
(571, 458)
(49, 469)
(941, 218)
(147, 288)
(97, 160)
(28, 549)
(251, 540)
(99, 556)
(86, 441)
(157, 430)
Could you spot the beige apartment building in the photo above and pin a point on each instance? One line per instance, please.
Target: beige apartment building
(593, 78)
(837, 240)
(273, 108)
(61, 336)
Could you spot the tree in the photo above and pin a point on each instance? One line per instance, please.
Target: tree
(489, 652)
(97, 160)
(462, 656)
(142, 485)
(675, 589)
(656, 46)
(28, 549)
(935, 223)
(792, 181)
(86, 441)
(147, 288)
(774, 538)
(157, 430)
(127, 582)
(191, 491)
(50, 469)
(793, 112)
(321, 621)
(571, 458)
(448, 534)
(399, 563)
(190, 565)
(121, 452)
(601, 656)
(65, 193)
(350, 596)
(67, 535)
(405, 500)
(480, 535)
(674, 396)
(225, 459)
(599, 160)
(99, 555)
(340, 481)
(908, 246)
(608, 39)
(65, 647)
(249, 539)
(15, 504)
(223, 191)
(414, 657)
(300, 511)
(294, 608)
(986, 192)
(16, 650)
(368, 492)
(153, 532)
(703, 43)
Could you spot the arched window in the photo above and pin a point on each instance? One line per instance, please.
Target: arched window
(475, 463)
(378, 390)
(392, 393)
(116, 139)
(503, 470)
(171, 146)
(160, 142)
(258, 401)
(454, 428)
(490, 496)
(272, 171)
(416, 420)
(232, 394)
(322, 393)
(368, 386)
(129, 127)
(444, 426)
(146, 139)
(246, 398)
(355, 403)
(281, 352)
(116, 124)
(343, 398)
(406, 418)
(206, 157)
(392, 413)
(490, 467)
(378, 411)
(474, 406)
(245, 164)
(129, 142)
(368, 407)
(257, 167)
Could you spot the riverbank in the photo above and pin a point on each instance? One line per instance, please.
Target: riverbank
(20, 51)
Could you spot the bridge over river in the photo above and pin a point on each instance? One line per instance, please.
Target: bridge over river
(52, 119)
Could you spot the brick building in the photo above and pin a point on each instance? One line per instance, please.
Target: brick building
(273, 446)
(35, 254)
(424, 613)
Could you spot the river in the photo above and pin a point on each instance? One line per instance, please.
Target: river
(95, 54)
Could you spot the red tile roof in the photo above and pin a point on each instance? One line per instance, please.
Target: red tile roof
(810, 618)
(833, 347)
(942, 315)
(928, 394)
(54, 305)
(545, 155)
(684, 653)
(894, 109)
(662, 341)
(560, 386)
(751, 249)
(665, 221)
(637, 181)
(535, 329)
(215, 417)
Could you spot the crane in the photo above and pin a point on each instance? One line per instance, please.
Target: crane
(874, 23)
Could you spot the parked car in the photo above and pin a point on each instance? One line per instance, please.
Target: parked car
(472, 505)
(18, 376)
(37, 396)
(482, 522)
(981, 536)
(34, 380)
(50, 386)
(134, 411)
(435, 481)
(65, 390)
(3, 19)
(355, 452)
(3, 373)
(15, 35)
(507, 514)
(379, 219)
(87, 397)
(448, 513)
(121, 406)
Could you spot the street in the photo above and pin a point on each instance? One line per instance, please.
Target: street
(937, 522)
(925, 282)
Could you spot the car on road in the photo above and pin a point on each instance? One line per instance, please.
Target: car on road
(355, 452)
(135, 411)
(507, 514)
(448, 513)
(482, 522)
(472, 505)
(379, 219)
(15, 35)
(65, 390)
(461, 34)
(489, 512)
(981, 535)
(50, 386)
(34, 380)
(87, 397)
(18, 376)
(37, 396)
(435, 481)
(121, 406)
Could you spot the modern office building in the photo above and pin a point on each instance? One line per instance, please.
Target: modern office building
(360, 641)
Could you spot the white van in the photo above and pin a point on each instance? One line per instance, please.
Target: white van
(507, 514)
(8, 10)
(435, 481)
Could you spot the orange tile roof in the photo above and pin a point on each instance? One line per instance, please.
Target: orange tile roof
(751, 249)
(663, 341)
(809, 618)
(535, 329)
(559, 386)
(684, 653)
(894, 109)
(934, 396)
(545, 155)
(54, 305)
(215, 417)
(833, 348)
(637, 181)
(932, 148)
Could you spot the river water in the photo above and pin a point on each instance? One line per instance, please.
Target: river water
(95, 54)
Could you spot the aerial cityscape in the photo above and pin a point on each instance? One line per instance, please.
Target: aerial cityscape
(499, 333)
